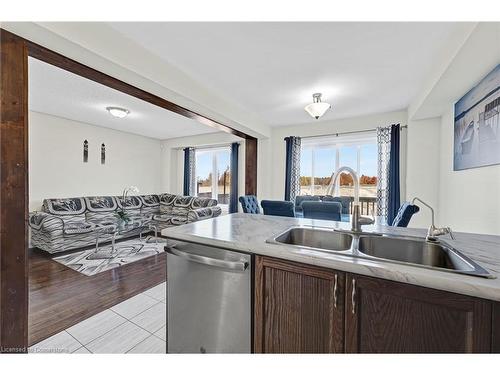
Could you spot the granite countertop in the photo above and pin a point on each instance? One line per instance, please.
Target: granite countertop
(248, 233)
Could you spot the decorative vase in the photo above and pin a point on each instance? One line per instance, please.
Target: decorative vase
(121, 224)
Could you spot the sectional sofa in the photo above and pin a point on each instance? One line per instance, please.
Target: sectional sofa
(69, 223)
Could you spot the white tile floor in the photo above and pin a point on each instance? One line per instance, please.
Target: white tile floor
(137, 325)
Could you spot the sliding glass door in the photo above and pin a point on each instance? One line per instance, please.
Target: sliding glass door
(320, 157)
(213, 175)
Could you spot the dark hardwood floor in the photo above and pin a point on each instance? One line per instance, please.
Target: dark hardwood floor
(60, 297)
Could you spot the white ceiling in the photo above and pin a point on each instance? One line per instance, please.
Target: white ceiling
(60, 93)
(272, 69)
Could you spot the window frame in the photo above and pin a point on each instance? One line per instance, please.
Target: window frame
(337, 143)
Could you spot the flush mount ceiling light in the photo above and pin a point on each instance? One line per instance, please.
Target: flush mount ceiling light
(117, 111)
(317, 108)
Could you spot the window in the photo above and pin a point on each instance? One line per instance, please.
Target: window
(316, 167)
(320, 157)
(213, 176)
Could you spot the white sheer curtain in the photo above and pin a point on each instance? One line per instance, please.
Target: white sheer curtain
(384, 149)
(189, 171)
(192, 172)
(292, 177)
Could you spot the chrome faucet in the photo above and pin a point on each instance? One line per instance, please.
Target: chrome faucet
(357, 219)
(433, 232)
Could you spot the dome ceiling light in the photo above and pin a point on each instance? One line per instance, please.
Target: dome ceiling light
(118, 112)
(317, 108)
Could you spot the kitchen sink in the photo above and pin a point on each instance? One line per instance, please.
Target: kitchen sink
(396, 249)
(324, 239)
(419, 252)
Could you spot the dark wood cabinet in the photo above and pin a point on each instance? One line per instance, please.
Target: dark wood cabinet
(495, 328)
(298, 308)
(306, 309)
(390, 317)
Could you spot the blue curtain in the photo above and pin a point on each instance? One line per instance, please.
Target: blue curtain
(233, 197)
(292, 168)
(188, 169)
(394, 188)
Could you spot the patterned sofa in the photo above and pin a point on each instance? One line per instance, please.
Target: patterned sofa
(70, 223)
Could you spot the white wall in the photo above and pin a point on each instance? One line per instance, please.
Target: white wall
(469, 200)
(422, 168)
(466, 201)
(172, 158)
(276, 173)
(478, 54)
(266, 169)
(56, 167)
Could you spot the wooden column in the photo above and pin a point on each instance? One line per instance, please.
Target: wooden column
(251, 166)
(14, 193)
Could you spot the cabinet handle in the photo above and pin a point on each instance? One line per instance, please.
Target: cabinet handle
(335, 291)
(353, 296)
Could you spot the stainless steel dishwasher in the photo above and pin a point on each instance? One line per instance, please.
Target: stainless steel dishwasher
(209, 299)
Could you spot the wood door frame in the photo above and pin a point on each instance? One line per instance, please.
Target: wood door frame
(14, 194)
(14, 198)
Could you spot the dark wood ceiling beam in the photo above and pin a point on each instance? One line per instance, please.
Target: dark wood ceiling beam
(56, 59)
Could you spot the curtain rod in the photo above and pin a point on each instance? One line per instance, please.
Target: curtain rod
(207, 147)
(343, 133)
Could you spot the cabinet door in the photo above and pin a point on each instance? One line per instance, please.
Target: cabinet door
(298, 308)
(390, 317)
(495, 329)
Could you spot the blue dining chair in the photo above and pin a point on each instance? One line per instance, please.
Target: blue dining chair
(249, 204)
(299, 199)
(322, 210)
(278, 208)
(344, 201)
(404, 215)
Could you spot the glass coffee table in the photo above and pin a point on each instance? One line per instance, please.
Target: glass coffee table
(116, 229)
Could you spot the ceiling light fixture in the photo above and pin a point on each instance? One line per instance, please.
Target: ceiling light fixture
(317, 108)
(117, 111)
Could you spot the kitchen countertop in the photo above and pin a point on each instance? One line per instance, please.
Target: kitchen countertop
(248, 233)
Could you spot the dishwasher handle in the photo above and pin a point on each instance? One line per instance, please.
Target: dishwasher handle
(233, 266)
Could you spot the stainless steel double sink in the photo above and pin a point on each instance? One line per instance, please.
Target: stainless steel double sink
(404, 250)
